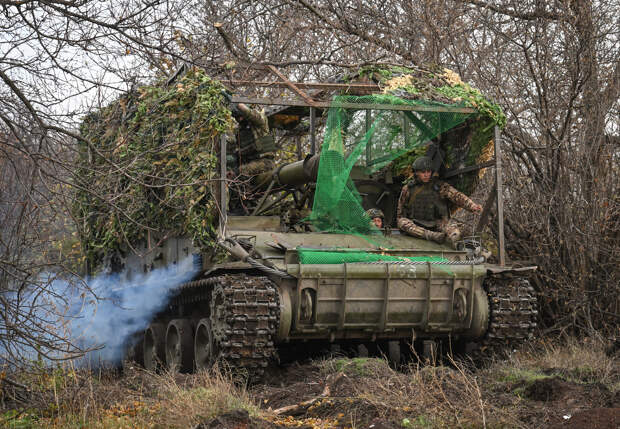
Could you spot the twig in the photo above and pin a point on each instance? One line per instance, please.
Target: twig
(14, 383)
(303, 406)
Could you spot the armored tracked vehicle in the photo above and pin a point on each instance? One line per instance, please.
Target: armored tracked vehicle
(296, 262)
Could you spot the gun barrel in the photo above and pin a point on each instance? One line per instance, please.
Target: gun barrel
(294, 174)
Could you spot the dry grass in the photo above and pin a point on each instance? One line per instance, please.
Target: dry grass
(460, 394)
(424, 396)
(67, 398)
(578, 360)
(360, 390)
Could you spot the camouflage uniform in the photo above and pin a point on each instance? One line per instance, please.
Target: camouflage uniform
(437, 219)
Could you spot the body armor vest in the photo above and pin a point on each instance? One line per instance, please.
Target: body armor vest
(425, 204)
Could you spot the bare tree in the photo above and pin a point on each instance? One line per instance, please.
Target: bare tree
(57, 59)
(555, 67)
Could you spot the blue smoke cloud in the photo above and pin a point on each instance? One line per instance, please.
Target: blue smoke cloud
(122, 308)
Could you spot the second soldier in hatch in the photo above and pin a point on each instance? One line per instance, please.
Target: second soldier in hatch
(423, 210)
(376, 216)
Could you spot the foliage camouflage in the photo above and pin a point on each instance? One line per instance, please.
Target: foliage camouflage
(431, 84)
(146, 163)
(443, 86)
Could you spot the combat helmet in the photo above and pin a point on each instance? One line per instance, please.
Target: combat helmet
(373, 213)
(423, 163)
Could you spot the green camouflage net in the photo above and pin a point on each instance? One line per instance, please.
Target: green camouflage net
(313, 256)
(370, 139)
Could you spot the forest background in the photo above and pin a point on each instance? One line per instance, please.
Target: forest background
(554, 67)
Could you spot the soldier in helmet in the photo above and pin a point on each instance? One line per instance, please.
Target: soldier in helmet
(423, 205)
(376, 216)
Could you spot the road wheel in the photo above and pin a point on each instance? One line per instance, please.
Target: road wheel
(362, 351)
(133, 351)
(394, 352)
(205, 350)
(153, 346)
(180, 346)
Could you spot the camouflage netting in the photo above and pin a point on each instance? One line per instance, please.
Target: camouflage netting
(314, 256)
(373, 139)
(148, 169)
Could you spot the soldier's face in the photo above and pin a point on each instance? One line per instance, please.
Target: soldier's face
(423, 175)
(378, 222)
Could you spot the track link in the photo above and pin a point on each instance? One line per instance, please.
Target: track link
(513, 311)
(245, 313)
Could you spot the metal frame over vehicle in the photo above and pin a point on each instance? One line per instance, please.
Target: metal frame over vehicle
(274, 281)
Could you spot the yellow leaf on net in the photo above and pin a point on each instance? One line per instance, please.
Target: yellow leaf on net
(398, 82)
(452, 77)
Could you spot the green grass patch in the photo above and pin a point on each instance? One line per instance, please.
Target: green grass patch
(356, 366)
(516, 375)
(420, 421)
(361, 367)
(17, 419)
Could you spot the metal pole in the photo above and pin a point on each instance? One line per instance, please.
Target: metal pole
(300, 155)
(223, 187)
(405, 128)
(368, 143)
(486, 210)
(500, 199)
(312, 131)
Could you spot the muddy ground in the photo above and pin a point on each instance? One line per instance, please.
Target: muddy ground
(571, 386)
(367, 393)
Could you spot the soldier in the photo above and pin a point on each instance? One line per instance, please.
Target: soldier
(423, 205)
(376, 216)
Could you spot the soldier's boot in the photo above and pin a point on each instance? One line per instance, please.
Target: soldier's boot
(437, 237)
